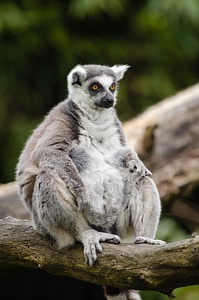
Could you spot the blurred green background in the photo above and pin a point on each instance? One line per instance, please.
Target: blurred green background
(40, 41)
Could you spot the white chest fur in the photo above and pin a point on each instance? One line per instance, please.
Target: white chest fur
(102, 179)
(100, 132)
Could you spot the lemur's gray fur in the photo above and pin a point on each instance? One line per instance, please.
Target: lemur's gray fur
(79, 178)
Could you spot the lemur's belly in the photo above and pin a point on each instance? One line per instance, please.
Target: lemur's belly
(105, 187)
(103, 183)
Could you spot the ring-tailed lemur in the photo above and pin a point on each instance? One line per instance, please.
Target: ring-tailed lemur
(79, 178)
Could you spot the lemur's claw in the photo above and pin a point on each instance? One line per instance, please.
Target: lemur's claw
(146, 240)
(138, 167)
(91, 240)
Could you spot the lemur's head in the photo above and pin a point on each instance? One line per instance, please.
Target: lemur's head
(95, 85)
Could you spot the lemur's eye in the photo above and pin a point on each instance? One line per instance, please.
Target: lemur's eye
(95, 87)
(112, 88)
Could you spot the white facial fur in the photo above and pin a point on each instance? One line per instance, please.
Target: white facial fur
(118, 72)
(79, 81)
(105, 80)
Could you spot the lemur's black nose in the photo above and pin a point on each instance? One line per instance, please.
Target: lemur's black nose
(107, 101)
(110, 99)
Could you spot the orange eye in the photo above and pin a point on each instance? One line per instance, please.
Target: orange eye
(95, 87)
(112, 88)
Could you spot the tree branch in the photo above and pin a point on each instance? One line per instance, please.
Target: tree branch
(144, 267)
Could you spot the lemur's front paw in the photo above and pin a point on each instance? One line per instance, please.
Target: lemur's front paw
(146, 240)
(137, 166)
(91, 240)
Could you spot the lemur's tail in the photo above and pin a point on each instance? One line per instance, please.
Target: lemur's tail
(118, 294)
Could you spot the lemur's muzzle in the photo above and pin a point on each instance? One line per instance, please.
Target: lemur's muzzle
(107, 101)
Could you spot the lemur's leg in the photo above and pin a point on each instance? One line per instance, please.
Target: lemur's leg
(145, 211)
(143, 206)
(56, 213)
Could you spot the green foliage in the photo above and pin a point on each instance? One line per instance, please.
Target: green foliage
(83, 8)
(170, 231)
(187, 293)
(153, 296)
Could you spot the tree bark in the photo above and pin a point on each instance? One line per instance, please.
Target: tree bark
(10, 203)
(145, 267)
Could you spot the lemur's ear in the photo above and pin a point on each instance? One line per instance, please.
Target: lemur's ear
(76, 76)
(119, 71)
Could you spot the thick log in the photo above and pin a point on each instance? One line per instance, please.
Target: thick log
(159, 268)
(10, 203)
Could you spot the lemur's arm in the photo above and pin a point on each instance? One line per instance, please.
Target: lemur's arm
(52, 151)
(132, 161)
(62, 164)
(52, 155)
(130, 157)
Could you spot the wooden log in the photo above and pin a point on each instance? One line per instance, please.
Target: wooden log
(10, 203)
(146, 267)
